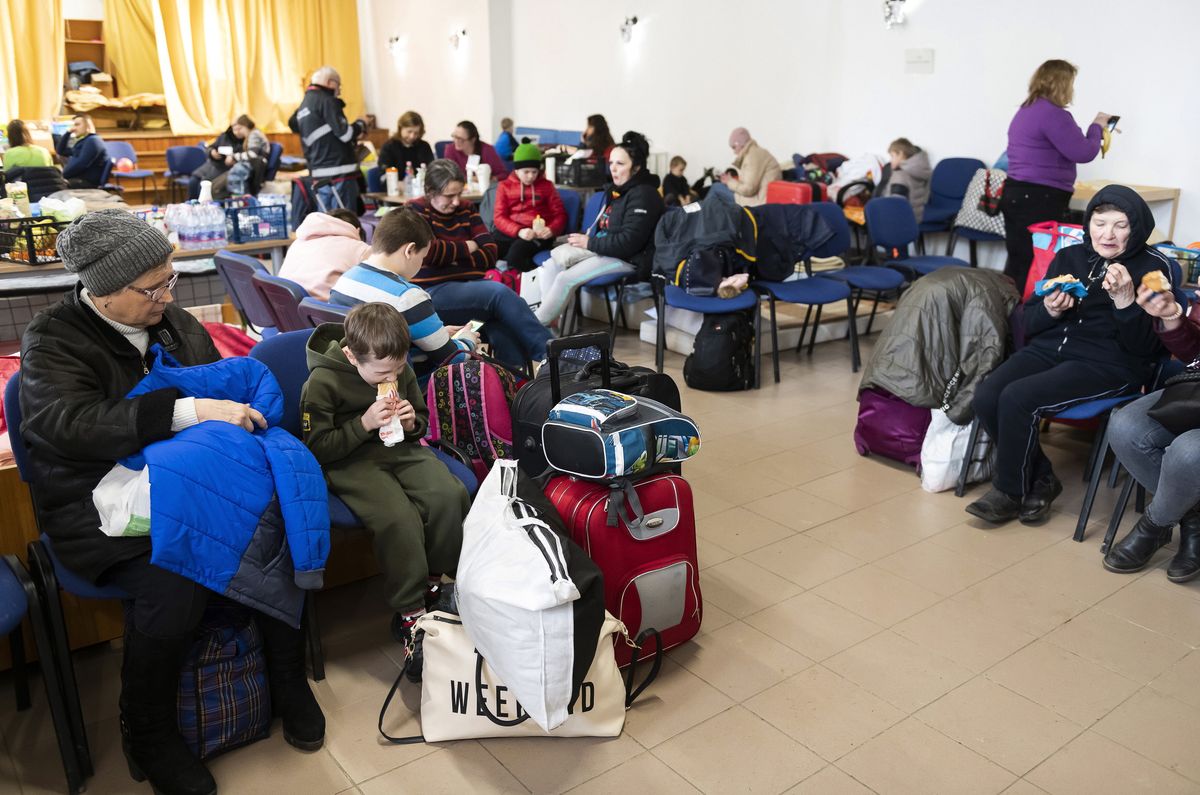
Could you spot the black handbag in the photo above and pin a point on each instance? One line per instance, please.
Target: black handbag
(1178, 407)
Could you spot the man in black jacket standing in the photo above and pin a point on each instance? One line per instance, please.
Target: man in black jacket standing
(328, 139)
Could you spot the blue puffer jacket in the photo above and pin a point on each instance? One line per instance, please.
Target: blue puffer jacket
(243, 514)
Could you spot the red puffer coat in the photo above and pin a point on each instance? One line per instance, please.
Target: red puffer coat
(517, 206)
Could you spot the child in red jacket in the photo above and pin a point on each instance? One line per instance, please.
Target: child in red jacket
(529, 215)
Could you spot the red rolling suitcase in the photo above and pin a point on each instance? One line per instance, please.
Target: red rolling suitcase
(781, 192)
(643, 536)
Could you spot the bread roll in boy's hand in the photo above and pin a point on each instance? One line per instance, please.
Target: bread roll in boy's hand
(392, 430)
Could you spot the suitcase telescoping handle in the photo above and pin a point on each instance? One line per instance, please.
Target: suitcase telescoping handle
(596, 339)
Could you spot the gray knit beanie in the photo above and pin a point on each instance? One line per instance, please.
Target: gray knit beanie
(109, 249)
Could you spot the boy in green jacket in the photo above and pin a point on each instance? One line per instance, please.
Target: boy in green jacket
(363, 417)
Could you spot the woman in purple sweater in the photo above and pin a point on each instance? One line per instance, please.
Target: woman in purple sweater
(1044, 144)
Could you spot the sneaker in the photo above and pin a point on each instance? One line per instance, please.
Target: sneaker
(996, 507)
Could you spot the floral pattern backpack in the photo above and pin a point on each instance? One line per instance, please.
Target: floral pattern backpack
(470, 407)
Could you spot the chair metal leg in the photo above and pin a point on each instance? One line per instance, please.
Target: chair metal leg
(1139, 503)
(312, 627)
(874, 309)
(16, 645)
(1097, 473)
(951, 241)
(855, 299)
(1117, 514)
(42, 571)
(852, 317)
(1115, 473)
(774, 338)
(804, 328)
(55, 693)
(757, 346)
(964, 472)
(816, 326)
(660, 341)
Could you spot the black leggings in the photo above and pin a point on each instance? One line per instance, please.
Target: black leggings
(519, 253)
(1017, 395)
(1023, 204)
(165, 604)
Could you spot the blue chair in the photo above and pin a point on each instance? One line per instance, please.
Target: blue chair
(119, 149)
(973, 238)
(284, 355)
(282, 297)
(892, 226)
(181, 162)
(947, 187)
(318, 312)
(669, 295)
(863, 279)
(375, 179)
(572, 204)
(440, 147)
(48, 575)
(237, 274)
(19, 596)
(274, 158)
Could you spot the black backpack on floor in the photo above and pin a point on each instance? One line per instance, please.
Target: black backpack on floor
(722, 359)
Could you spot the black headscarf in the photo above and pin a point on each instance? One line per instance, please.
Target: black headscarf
(1141, 223)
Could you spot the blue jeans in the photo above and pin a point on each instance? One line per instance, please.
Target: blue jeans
(1165, 464)
(512, 329)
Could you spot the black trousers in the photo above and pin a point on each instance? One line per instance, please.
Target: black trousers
(1025, 203)
(1033, 384)
(519, 253)
(165, 604)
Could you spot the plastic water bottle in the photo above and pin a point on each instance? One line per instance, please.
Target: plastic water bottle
(418, 185)
(408, 179)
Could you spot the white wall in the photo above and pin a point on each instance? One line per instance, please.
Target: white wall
(445, 85)
(83, 9)
(817, 75)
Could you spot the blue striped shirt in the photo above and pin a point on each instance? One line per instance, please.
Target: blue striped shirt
(432, 344)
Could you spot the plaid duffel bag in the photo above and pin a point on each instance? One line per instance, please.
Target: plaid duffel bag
(224, 701)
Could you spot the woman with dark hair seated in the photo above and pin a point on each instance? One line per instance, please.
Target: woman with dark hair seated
(621, 240)
(1157, 438)
(466, 143)
(1077, 349)
(452, 273)
(408, 145)
(242, 145)
(80, 360)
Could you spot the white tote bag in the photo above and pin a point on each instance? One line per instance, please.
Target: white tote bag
(463, 698)
(122, 498)
(943, 450)
(515, 595)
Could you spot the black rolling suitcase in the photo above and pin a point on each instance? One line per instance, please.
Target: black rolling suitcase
(577, 364)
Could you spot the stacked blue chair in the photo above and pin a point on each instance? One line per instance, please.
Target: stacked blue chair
(667, 294)
(282, 297)
(274, 158)
(48, 575)
(237, 274)
(892, 226)
(284, 355)
(317, 312)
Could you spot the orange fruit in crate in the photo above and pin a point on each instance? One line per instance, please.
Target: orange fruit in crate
(125, 165)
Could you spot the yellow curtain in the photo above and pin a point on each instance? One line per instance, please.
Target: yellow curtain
(32, 58)
(220, 58)
(129, 43)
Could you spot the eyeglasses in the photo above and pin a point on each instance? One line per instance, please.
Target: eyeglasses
(156, 295)
(460, 138)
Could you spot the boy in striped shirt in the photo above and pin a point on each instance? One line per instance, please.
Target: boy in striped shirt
(401, 242)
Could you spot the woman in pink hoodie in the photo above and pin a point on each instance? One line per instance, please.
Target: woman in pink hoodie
(326, 246)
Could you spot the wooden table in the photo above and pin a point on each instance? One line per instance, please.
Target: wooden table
(401, 199)
(1084, 191)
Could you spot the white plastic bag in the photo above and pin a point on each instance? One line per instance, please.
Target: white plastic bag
(537, 282)
(122, 498)
(515, 595)
(943, 450)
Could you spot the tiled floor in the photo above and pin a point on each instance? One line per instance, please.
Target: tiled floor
(860, 635)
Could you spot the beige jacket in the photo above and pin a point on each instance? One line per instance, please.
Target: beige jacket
(756, 167)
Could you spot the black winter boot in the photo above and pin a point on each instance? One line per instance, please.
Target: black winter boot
(1185, 565)
(291, 698)
(150, 736)
(1136, 549)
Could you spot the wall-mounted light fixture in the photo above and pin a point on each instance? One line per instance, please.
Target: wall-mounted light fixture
(627, 28)
(393, 44)
(456, 37)
(893, 13)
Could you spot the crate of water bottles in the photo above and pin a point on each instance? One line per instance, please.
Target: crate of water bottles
(194, 226)
(248, 218)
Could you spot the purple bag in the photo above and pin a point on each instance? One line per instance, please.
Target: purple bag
(888, 426)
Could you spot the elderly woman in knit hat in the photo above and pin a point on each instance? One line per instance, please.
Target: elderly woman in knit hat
(79, 359)
(529, 214)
